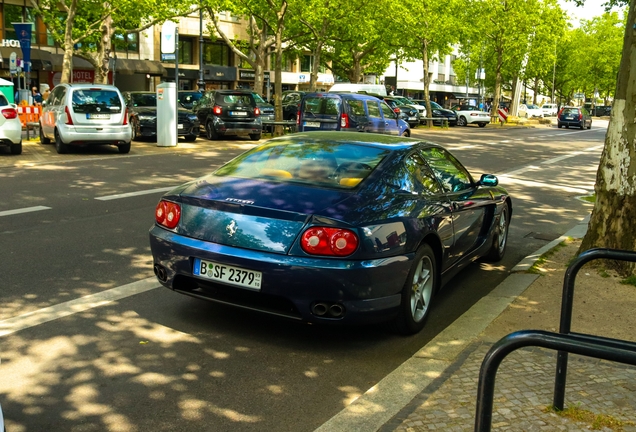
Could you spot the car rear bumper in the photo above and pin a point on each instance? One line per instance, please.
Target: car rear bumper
(367, 291)
(91, 135)
(11, 134)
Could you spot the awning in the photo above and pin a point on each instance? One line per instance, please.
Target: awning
(133, 66)
(78, 62)
(40, 59)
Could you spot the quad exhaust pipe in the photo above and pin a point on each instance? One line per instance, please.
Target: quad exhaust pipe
(328, 310)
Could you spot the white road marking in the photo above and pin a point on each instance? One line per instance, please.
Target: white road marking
(51, 313)
(505, 180)
(549, 161)
(132, 194)
(23, 210)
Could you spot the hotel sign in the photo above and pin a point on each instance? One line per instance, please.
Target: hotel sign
(13, 43)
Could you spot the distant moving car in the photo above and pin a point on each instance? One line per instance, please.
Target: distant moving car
(549, 109)
(10, 126)
(142, 111)
(349, 112)
(529, 111)
(469, 114)
(188, 98)
(440, 113)
(574, 116)
(229, 113)
(330, 227)
(85, 114)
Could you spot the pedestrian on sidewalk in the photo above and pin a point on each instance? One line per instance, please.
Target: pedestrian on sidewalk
(37, 96)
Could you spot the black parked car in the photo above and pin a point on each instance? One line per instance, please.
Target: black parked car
(291, 103)
(267, 110)
(188, 98)
(229, 112)
(440, 113)
(406, 112)
(574, 116)
(142, 115)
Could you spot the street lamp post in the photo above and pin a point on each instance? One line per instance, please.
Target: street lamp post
(201, 82)
(554, 70)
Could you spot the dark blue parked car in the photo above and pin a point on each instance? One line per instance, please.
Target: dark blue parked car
(330, 227)
(349, 112)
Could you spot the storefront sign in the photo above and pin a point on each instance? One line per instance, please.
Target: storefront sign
(249, 75)
(219, 73)
(10, 43)
(81, 76)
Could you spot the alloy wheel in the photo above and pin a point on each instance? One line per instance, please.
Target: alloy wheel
(422, 289)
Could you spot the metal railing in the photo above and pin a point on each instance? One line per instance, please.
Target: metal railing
(564, 342)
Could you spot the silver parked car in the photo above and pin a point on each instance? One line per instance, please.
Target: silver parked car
(81, 114)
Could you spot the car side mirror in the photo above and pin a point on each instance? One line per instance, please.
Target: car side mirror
(488, 180)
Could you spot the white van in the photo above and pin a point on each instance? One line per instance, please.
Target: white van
(378, 89)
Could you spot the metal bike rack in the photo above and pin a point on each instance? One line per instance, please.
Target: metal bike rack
(564, 342)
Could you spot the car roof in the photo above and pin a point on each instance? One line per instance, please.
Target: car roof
(375, 140)
(343, 95)
(88, 86)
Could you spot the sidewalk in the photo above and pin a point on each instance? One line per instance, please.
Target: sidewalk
(436, 389)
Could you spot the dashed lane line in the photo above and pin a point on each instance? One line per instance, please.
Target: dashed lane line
(23, 210)
(133, 194)
(51, 313)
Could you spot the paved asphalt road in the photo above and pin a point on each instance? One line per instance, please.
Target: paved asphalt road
(157, 360)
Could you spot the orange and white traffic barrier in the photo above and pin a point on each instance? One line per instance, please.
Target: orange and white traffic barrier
(29, 114)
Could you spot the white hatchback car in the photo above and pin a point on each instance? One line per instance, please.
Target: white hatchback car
(530, 111)
(550, 110)
(81, 114)
(10, 126)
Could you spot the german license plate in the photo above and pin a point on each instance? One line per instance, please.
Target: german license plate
(312, 124)
(238, 113)
(229, 274)
(97, 116)
(412, 118)
(180, 126)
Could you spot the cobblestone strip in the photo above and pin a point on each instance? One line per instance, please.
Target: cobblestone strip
(524, 388)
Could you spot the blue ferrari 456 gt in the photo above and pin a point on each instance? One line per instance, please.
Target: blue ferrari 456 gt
(330, 227)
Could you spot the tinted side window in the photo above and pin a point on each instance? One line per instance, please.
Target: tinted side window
(418, 177)
(3, 100)
(57, 96)
(356, 107)
(387, 111)
(374, 111)
(450, 173)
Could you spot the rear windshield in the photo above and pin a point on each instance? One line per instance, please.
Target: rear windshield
(95, 101)
(321, 106)
(234, 99)
(144, 99)
(336, 165)
(570, 111)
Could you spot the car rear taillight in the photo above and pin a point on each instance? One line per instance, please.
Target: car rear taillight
(560, 111)
(69, 119)
(329, 241)
(9, 113)
(580, 116)
(298, 118)
(217, 110)
(167, 214)
(257, 111)
(125, 117)
(344, 121)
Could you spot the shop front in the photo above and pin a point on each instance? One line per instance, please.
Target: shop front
(219, 77)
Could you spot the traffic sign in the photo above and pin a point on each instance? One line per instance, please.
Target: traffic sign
(579, 95)
(503, 115)
(168, 37)
(13, 63)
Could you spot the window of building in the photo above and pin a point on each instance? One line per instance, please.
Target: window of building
(288, 62)
(11, 14)
(185, 51)
(306, 62)
(126, 42)
(216, 54)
